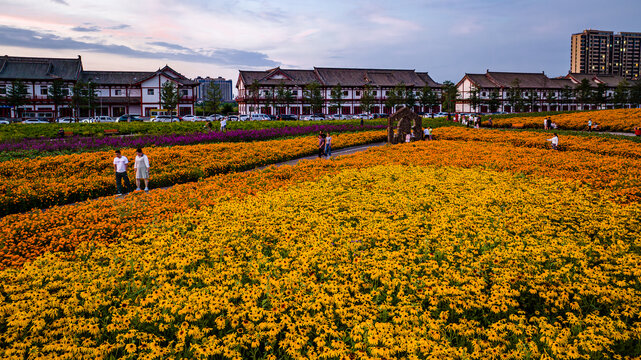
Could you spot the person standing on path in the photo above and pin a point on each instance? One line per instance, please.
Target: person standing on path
(555, 142)
(120, 166)
(328, 145)
(321, 144)
(589, 124)
(141, 166)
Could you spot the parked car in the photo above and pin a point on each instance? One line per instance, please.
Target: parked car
(65, 120)
(370, 116)
(189, 118)
(4, 121)
(103, 119)
(166, 119)
(339, 117)
(214, 117)
(129, 118)
(317, 117)
(440, 114)
(243, 118)
(272, 117)
(259, 117)
(287, 117)
(35, 121)
(233, 118)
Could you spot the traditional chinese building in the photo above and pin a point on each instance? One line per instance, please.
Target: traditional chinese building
(118, 92)
(351, 81)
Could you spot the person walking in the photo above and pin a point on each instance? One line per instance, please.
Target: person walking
(223, 124)
(141, 166)
(328, 145)
(321, 144)
(120, 167)
(555, 142)
(489, 121)
(545, 123)
(589, 124)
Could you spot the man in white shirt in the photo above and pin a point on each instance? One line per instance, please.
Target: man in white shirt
(120, 166)
(555, 142)
(223, 124)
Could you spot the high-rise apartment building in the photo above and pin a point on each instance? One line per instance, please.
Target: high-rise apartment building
(606, 53)
(224, 85)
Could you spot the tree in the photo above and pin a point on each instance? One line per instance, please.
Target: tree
(169, 96)
(367, 99)
(409, 99)
(283, 96)
(531, 100)
(599, 95)
(514, 96)
(227, 108)
(635, 93)
(77, 98)
(212, 99)
(336, 94)
(57, 94)
(90, 96)
(395, 97)
(449, 96)
(427, 98)
(621, 94)
(550, 98)
(17, 95)
(254, 94)
(566, 94)
(583, 92)
(475, 99)
(312, 96)
(494, 102)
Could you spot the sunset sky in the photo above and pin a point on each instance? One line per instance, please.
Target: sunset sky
(447, 38)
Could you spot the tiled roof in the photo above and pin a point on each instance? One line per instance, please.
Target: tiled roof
(428, 80)
(482, 81)
(116, 77)
(609, 80)
(526, 80)
(335, 76)
(26, 68)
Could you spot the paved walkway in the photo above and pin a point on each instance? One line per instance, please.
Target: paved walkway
(335, 153)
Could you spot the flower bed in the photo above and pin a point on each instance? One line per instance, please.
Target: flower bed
(54, 180)
(88, 143)
(399, 261)
(609, 120)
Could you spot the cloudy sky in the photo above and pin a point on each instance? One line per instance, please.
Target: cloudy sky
(447, 38)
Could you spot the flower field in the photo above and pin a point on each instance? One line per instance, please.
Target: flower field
(81, 144)
(54, 180)
(609, 120)
(481, 245)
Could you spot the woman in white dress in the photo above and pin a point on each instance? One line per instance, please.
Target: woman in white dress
(141, 166)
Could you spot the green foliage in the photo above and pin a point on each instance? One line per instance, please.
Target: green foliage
(621, 94)
(17, 95)
(169, 96)
(427, 98)
(583, 92)
(367, 99)
(475, 100)
(514, 96)
(212, 99)
(494, 102)
(449, 96)
(312, 96)
(336, 94)
(409, 99)
(57, 94)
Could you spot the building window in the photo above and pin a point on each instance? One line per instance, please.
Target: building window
(345, 93)
(184, 92)
(65, 92)
(294, 92)
(3, 89)
(44, 91)
(150, 91)
(483, 93)
(117, 92)
(358, 93)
